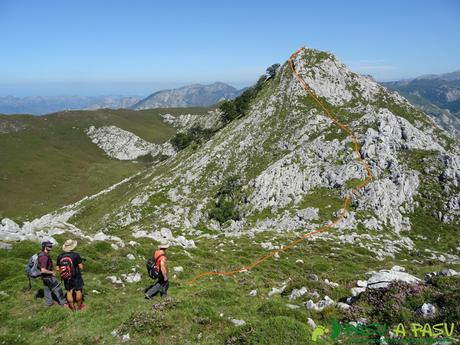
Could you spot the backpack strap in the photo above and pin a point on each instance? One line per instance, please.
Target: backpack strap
(158, 258)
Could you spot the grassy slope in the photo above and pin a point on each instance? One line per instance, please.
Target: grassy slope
(196, 316)
(52, 162)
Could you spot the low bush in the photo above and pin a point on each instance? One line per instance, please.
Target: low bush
(226, 205)
(240, 105)
(195, 134)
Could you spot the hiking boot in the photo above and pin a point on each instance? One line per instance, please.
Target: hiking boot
(66, 305)
(147, 296)
(82, 306)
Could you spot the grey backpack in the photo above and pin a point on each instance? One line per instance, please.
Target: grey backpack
(32, 270)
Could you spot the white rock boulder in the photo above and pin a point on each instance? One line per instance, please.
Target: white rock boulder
(296, 293)
(427, 310)
(324, 303)
(383, 278)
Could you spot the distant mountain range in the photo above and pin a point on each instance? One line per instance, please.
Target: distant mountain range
(196, 95)
(437, 95)
(38, 105)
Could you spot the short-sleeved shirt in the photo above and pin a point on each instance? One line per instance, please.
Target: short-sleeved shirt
(44, 261)
(76, 260)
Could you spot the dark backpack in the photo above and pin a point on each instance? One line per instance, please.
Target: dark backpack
(153, 268)
(66, 267)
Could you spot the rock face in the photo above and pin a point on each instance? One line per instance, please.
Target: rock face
(383, 278)
(324, 303)
(130, 256)
(427, 310)
(183, 122)
(132, 277)
(296, 293)
(123, 145)
(165, 234)
(276, 291)
(5, 246)
(288, 167)
(238, 322)
(196, 95)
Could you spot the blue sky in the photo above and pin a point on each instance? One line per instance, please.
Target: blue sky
(136, 47)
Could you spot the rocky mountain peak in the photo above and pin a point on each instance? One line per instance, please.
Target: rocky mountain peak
(285, 166)
(187, 96)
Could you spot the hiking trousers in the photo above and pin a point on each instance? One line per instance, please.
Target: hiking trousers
(162, 288)
(53, 286)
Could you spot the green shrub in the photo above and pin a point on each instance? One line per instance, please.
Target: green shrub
(226, 206)
(228, 110)
(271, 71)
(195, 134)
(240, 105)
(145, 159)
(389, 305)
(224, 210)
(181, 140)
(448, 300)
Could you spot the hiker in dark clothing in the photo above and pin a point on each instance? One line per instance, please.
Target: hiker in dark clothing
(162, 285)
(70, 265)
(51, 285)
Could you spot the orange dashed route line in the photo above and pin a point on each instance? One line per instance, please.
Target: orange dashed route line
(346, 202)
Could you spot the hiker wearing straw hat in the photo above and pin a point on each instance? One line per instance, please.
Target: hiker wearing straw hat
(159, 271)
(70, 265)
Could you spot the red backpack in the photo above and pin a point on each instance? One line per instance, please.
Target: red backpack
(66, 267)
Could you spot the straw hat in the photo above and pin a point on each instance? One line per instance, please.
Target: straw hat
(69, 245)
(163, 245)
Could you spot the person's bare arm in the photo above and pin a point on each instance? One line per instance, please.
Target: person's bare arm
(44, 270)
(164, 270)
(80, 266)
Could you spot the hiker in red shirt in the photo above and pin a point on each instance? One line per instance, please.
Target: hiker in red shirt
(162, 285)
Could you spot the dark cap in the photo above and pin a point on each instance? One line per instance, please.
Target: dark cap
(47, 244)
